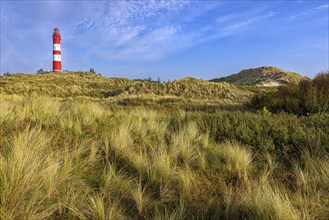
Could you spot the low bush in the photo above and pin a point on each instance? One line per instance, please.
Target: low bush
(304, 98)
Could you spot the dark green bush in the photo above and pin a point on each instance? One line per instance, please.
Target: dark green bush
(281, 134)
(306, 97)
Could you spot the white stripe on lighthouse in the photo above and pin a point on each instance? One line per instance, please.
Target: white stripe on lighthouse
(57, 57)
(57, 47)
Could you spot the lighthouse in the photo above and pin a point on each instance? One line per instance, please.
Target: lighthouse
(57, 58)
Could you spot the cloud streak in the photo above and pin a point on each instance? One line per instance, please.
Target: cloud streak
(310, 11)
(152, 30)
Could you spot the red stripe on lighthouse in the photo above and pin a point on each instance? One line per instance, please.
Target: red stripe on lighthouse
(57, 58)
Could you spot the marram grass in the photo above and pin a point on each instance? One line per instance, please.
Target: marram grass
(83, 159)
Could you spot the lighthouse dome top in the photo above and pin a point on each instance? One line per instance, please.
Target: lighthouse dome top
(56, 30)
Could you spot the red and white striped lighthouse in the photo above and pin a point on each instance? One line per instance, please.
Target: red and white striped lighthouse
(57, 58)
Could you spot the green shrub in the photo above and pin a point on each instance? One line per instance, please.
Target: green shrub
(306, 97)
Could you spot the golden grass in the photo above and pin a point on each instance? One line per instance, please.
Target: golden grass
(237, 159)
(269, 202)
(87, 85)
(262, 75)
(80, 159)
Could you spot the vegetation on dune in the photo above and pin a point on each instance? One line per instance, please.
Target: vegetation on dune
(83, 146)
(190, 88)
(262, 76)
(60, 84)
(309, 96)
(94, 86)
(66, 159)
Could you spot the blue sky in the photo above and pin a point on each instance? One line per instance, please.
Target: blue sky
(166, 39)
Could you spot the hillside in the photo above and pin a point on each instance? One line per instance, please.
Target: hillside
(188, 88)
(267, 76)
(59, 84)
(84, 159)
(95, 86)
(84, 146)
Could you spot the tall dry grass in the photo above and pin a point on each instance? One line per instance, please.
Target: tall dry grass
(82, 159)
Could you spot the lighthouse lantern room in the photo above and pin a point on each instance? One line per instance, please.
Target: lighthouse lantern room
(57, 59)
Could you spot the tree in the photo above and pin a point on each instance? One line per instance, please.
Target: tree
(40, 71)
(92, 70)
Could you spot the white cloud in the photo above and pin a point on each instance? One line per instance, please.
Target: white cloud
(310, 11)
(244, 23)
(322, 7)
(140, 29)
(150, 30)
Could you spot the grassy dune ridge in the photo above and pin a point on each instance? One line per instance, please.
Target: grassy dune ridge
(74, 84)
(262, 76)
(92, 159)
